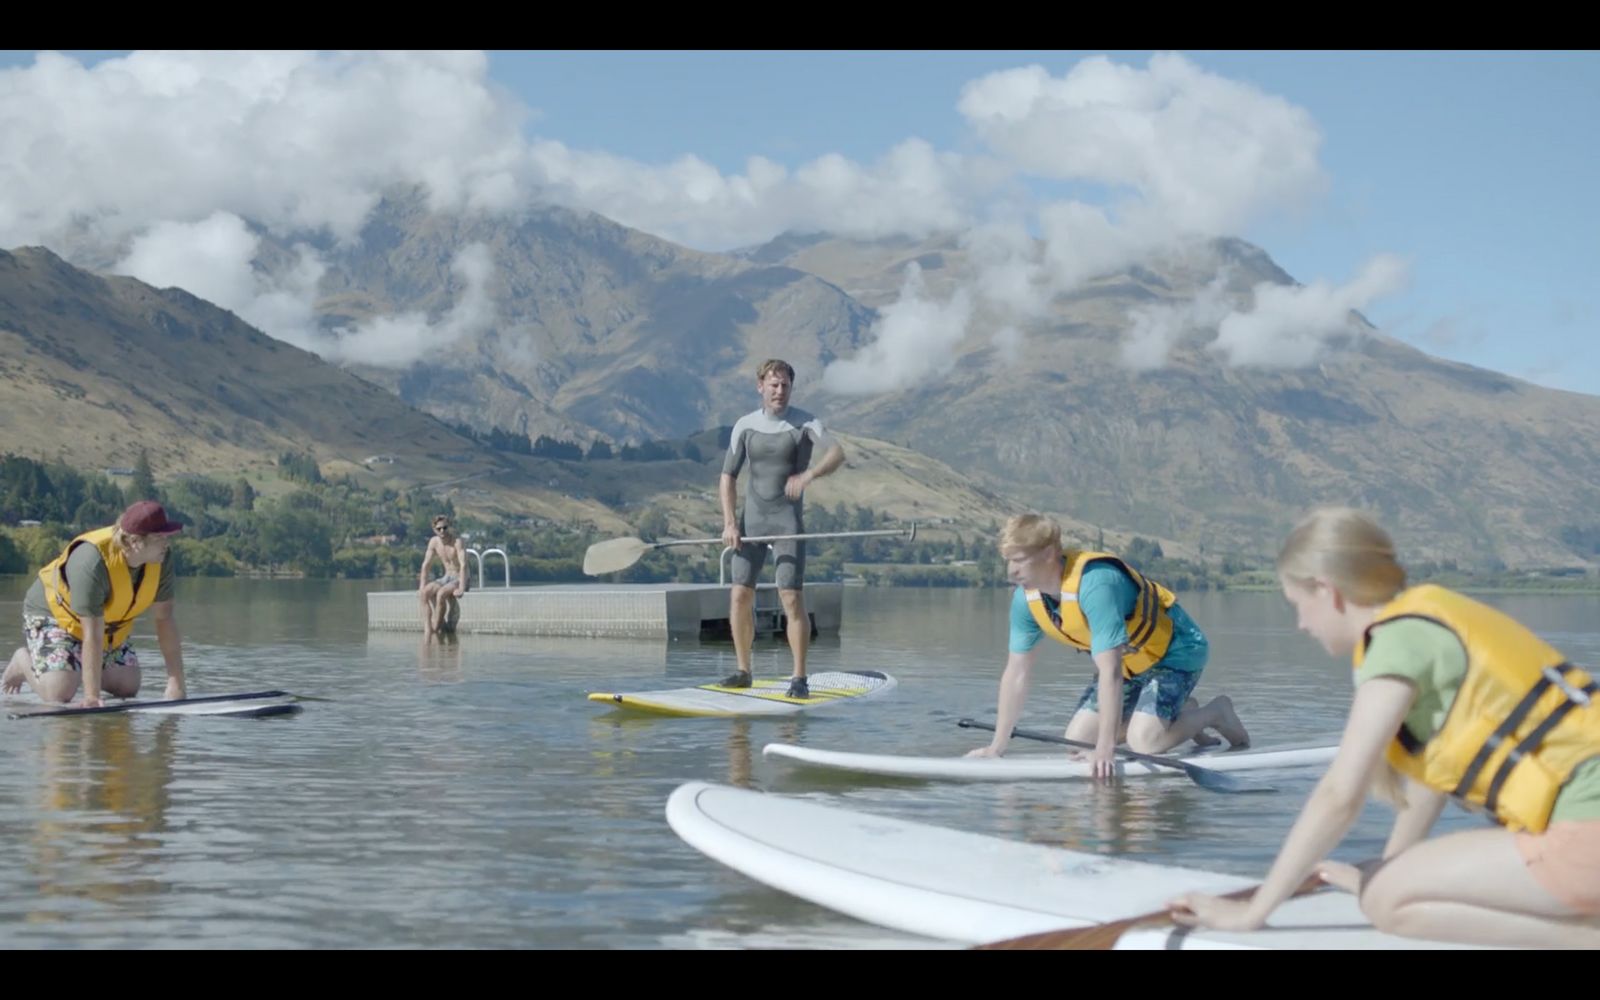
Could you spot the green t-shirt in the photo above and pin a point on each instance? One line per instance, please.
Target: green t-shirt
(89, 583)
(1431, 657)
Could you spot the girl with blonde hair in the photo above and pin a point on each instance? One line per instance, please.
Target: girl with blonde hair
(1463, 702)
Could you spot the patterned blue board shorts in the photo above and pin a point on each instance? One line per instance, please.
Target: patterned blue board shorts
(53, 648)
(1159, 691)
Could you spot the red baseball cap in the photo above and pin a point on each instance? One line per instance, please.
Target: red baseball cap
(148, 518)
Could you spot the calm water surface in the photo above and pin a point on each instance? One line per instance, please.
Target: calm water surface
(466, 794)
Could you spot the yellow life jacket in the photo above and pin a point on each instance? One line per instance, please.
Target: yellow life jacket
(1523, 719)
(1149, 626)
(124, 605)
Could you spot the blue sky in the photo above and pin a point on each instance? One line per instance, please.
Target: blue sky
(1468, 176)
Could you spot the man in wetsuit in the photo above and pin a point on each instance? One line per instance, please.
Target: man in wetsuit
(777, 440)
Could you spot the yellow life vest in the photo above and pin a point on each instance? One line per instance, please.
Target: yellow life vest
(124, 605)
(1149, 626)
(1522, 720)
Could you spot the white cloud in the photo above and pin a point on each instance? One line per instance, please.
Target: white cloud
(157, 150)
(912, 190)
(304, 140)
(1176, 153)
(1290, 326)
(1082, 241)
(287, 306)
(914, 342)
(213, 259)
(397, 341)
(210, 258)
(1196, 151)
(292, 140)
(1011, 274)
(1154, 330)
(1008, 345)
(299, 141)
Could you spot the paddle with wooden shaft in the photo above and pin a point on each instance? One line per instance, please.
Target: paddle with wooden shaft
(1103, 937)
(620, 553)
(1206, 778)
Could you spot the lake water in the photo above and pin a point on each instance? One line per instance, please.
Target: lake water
(465, 794)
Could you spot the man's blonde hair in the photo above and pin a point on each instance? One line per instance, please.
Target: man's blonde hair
(1347, 548)
(774, 365)
(1029, 532)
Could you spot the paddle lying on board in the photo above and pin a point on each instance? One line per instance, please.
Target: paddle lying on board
(1102, 937)
(620, 553)
(1204, 777)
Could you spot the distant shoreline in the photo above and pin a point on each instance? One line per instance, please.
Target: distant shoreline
(1592, 589)
(405, 583)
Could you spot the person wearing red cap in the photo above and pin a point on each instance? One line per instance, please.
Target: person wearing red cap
(77, 616)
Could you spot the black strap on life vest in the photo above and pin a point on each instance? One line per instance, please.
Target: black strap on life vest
(1535, 739)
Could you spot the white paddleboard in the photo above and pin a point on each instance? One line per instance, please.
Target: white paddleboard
(763, 697)
(252, 704)
(1329, 920)
(946, 883)
(1040, 767)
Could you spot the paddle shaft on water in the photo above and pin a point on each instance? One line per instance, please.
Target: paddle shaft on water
(1204, 777)
(618, 554)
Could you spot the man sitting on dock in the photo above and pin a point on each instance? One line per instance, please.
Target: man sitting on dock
(439, 599)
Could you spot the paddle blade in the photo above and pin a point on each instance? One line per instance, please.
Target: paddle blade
(1216, 781)
(613, 555)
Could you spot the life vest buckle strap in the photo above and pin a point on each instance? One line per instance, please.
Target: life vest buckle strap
(1148, 604)
(1528, 744)
(1557, 676)
(1505, 729)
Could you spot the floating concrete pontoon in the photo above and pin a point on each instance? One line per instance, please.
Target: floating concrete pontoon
(628, 610)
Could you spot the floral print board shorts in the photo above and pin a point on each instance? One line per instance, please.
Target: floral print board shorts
(53, 648)
(1159, 691)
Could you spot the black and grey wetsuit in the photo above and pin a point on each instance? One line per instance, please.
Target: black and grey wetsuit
(777, 448)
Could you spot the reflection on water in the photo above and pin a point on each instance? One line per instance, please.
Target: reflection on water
(99, 812)
(461, 791)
